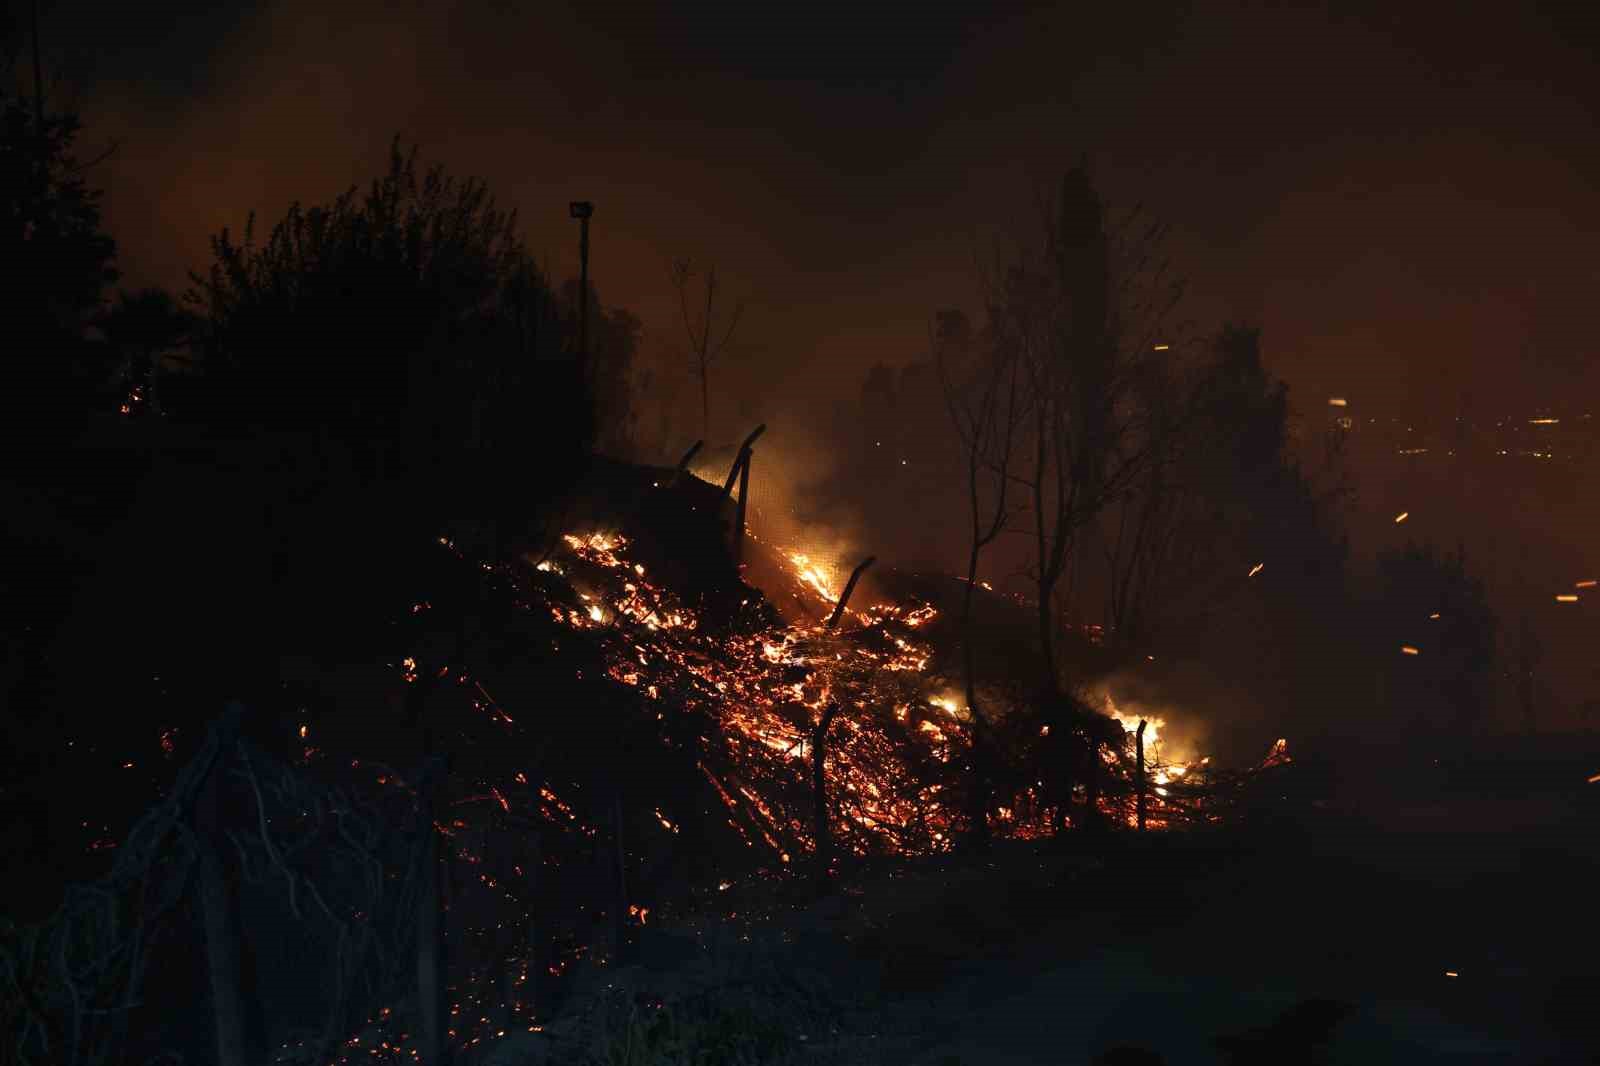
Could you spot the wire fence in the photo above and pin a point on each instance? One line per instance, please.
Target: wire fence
(241, 846)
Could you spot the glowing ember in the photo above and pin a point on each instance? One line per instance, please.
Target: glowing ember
(1256, 569)
(1567, 597)
(1589, 584)
(1406, 649)
(1401, 517)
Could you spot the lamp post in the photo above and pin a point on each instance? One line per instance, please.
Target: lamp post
(582, 210)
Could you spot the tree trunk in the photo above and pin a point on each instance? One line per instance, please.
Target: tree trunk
(705, 398)
(819, 787)
(240, 1024)
(1140, 801)
(980, 786)
(432, 1010)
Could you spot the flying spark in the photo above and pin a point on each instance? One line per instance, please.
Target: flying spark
(1406, 649)
(1256, 569)
(1567, 597)
(1591, 583)
(1338, 401)
(1401, 517)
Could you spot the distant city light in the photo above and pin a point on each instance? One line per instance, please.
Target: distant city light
(1338, 401)
(1401, 517)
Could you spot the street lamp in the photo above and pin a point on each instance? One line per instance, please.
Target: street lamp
(582, 210)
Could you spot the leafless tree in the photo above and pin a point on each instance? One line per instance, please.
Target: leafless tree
(1082, 307)
(702, 328)
(983, 391)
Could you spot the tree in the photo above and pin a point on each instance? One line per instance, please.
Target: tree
(983, 392)
(1179, 543)
(142, 327)
(1080, 307)
(701, 329)
(50, 227)
(614, 339)
(409, 328)
(388, 362)
(1432, 603)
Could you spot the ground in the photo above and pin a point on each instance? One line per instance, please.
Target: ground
(1267, 939)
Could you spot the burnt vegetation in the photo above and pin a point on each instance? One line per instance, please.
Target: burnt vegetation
(368, 699)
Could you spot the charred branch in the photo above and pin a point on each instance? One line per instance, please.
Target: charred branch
(850, 587)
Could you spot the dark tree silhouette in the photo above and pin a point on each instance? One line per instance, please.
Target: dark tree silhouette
(1179, 544)
(406, 336)
(142, 327)
(1080, 306)
(707, 336)
(983, 391)
(1431, 602)
(50, 229)
(610, 368)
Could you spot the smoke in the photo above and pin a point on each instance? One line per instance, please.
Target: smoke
(1196, 712)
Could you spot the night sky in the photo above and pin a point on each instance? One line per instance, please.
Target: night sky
(1405, 203)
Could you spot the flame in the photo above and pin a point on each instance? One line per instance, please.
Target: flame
(757, 694)
(814, 577)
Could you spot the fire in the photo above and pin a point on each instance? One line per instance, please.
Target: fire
(754, 697)
(814, 577)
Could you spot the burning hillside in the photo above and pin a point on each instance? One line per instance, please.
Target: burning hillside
(900, 736)
(615, 728)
